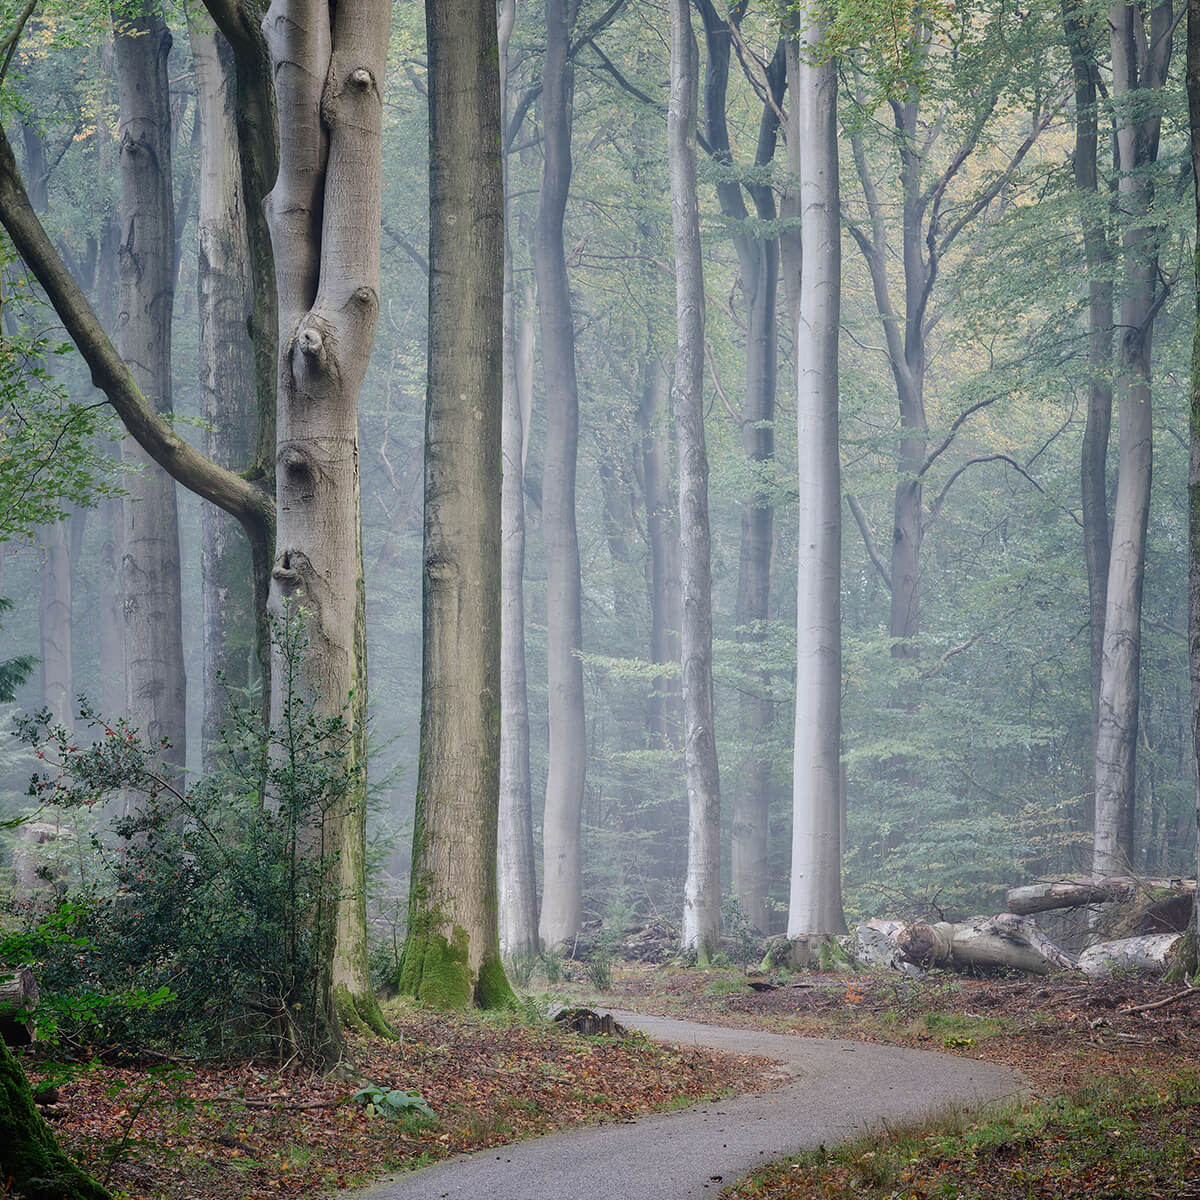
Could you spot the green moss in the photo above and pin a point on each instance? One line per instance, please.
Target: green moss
(31, 1162)
(492, 989)
(435, 970)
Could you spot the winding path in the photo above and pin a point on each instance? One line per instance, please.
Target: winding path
(840, 1090)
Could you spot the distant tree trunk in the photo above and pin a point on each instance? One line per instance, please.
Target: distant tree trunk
(54, 612)
(58, 687)
(154, 672)
(226, 365)
(452, 956)
(1094, 453)
(1193, 93)
(562, 896)
(324, 216)
(815, 906)
(662, 531)
(1139, 76)
(517, 870)
(758, 260)
(702, 888)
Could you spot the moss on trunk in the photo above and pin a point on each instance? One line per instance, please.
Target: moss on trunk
(31, 1163)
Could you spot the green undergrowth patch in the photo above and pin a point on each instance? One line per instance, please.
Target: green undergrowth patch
(1120, 1138)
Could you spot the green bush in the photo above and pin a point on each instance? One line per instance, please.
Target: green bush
(205, 932)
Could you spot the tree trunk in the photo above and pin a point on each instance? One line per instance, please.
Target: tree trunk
(1150, 954)
(19, 998)
(702, 887)
(1193, 489)
(452, 956)
(1138, 80)
(226, 363)
(58, 688)
(31, 1163)
(662, 532)
(1002, 942)
(1072, 893)
(1094, 453)
(815, 906)
(516, 868)
(155, 682)
(562, 896)
(324, 216)
(758, 261)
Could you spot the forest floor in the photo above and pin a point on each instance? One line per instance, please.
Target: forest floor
(1111, 1085)
(1115, 1110)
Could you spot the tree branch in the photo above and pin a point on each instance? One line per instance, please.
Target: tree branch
(936, 669)
(936, 508)
(974, 408)
(181, 461)
(864, 527)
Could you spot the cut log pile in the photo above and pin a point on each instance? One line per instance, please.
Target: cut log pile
(1013, 940)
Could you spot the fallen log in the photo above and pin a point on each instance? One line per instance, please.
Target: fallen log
(18, 1001)
(1074, 893)
(1001, 942)
(1150, 954)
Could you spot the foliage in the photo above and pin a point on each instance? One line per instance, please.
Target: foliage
(377, 1101)
(205, 933)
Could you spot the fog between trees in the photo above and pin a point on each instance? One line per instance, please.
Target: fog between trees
(1005, 284)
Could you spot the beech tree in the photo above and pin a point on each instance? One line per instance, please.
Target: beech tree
(452, 952)
(562, 877)
(814, 269)
(1141, 54)
(702, 888)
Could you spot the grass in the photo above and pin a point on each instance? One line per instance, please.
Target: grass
(1120, 1138)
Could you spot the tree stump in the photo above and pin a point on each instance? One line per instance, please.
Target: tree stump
(18, 1000)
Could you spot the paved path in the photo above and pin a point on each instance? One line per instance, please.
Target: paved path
(840, 1090)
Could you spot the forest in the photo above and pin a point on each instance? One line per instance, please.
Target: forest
(739, 480)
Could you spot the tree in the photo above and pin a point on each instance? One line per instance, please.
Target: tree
(516, 869)
(814, 269)
(1141, 55)
(155, 684)
(562, 871)
(452, 952)
(702, 888)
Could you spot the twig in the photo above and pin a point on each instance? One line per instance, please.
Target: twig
(1138, 1008)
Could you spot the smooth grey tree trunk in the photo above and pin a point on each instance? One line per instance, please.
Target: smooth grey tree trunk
(1140, 57)
(1093, 464)
(226, 364)
(516, 867)
(452, 955)
(1193, 94)
(662, 566)
(154, 670)
(58, 687)
(815, 904)
(702, 887)
(324, 217)
(758, 262)
(562, 896)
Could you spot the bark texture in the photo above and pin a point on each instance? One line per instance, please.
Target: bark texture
(226, 363)
(324, 216)
(702, 887)
(1193, 94)
(565, 772)
(452, 956)
(155, 685)
(517, 869)
(815, 905)
(1141, 51)
(58, 688)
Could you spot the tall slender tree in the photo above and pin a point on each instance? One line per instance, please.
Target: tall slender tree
(562, 873)
(1141, 55)
(702, 888)
(156, 692)
(814, 275)
(452, 955)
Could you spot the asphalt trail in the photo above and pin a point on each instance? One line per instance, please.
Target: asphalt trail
(840, 1090)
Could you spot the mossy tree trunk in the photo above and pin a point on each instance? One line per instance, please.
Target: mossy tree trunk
(452, 956)
(31, 1163)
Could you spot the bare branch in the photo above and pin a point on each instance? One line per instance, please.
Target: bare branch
(712, 370)
(958, 421)
(936, 669)
(864, 527)
(936, 508)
